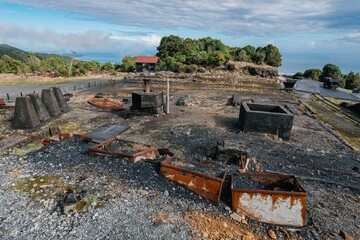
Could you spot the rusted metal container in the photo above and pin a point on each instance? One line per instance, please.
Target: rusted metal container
(104, 149)
(271, 198)
(206, 186)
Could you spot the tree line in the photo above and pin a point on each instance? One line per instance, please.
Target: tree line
(348, 81)
(186, 55)
(176, 54)
(58, 66)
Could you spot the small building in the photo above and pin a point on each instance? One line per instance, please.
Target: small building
(146, 62)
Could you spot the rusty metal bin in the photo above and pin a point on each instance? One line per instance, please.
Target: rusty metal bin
(206, 186)
(271, 198)
(103, 149)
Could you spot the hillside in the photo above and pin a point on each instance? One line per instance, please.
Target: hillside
(22, 55)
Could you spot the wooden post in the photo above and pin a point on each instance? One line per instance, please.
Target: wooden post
(89, 84)
(167, 97)
(21, 94)
(8, 96)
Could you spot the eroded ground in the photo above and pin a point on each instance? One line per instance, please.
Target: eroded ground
(122, 200)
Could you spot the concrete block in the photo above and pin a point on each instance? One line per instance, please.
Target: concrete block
(60, 99)
(39, 107)
(25, 115)
(266, 118)
(147, 103)
(50, 102)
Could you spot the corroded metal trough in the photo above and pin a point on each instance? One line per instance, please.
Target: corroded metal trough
(205, 185)
(271, 198)
(134, 156)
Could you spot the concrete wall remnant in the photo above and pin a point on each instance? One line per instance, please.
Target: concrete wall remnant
(60, 99)
(266, 118)
(25, 115)
(150, 103)
(50, 102)
(39, 107)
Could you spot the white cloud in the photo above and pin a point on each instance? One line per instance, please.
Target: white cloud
(350, 39)
(88, 41)
(312, 44)
(151, 40)
(256, 17)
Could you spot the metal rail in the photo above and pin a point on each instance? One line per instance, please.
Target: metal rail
(336, 108)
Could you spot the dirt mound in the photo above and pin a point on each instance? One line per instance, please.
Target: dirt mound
(217, 227)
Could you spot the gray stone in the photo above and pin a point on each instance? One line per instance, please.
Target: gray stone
(50, 102)
(184, 101)
(231, 151)
(39, 106)
(25, 115)
(60, 99)
(236, 101)
(266, 118)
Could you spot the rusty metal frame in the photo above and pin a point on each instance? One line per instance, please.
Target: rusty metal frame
(62, 136)
(102, 149)
(287, 199)
(202, 184)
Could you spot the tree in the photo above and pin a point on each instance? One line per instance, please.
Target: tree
(259, 56)
(217, 58)
(272, 56)
(331, 71)
(10, 65)
(169, 46)
(313, 73)
(128, 64)
(352, 80)
(107, 67)
(250, 50)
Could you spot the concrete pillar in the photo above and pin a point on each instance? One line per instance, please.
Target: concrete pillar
(39, 107)
(60, 99)
(50, 102)
(25, 115)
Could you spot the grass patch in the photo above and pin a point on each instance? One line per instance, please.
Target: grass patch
(37, 186)
(28, 148)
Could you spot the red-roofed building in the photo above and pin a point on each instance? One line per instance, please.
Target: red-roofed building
(147, 62)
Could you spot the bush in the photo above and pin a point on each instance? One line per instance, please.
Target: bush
(331, 71)
(313, 73)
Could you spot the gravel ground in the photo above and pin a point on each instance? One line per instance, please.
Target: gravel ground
(131, 201)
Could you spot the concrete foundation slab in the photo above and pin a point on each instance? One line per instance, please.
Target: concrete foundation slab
(25, 115)
(266, 118)
(39, 107)
(60, 99)
(50, 102)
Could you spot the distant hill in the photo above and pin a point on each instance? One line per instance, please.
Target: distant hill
(21, 55)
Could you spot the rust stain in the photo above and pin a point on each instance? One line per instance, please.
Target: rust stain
(103, 149)
(296, 194)
(204, 185)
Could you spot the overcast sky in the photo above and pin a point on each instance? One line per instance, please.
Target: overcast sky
(308, 33)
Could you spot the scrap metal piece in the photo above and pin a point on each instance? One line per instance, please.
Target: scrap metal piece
(133, 156)
(205, 185)
(107, 132)
(107, 103)
(271, 198)
(44, 140)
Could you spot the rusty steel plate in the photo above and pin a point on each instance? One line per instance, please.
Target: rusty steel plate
(205, 185)
(107, 103)
(271, 198)
(133, 155)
